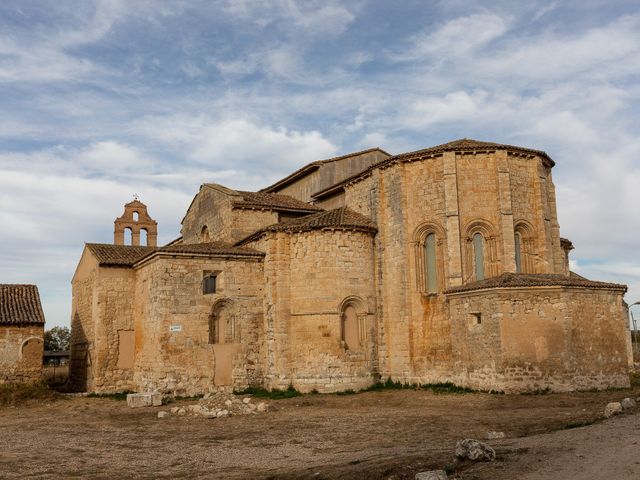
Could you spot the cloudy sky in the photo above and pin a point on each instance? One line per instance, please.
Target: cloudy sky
(102, 99)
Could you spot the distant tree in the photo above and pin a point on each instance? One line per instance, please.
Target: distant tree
(57, 339)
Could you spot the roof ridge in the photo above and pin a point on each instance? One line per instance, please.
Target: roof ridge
(462, 144)
(334, 219)
(317, 163)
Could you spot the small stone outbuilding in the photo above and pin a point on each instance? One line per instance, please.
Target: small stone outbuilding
(21, 333)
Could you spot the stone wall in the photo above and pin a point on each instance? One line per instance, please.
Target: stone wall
(311, 278)
(213, 208)
(21, 349)
(173, 352)
(101, 327)
(562, 339)
(452, 195)
(83, 323)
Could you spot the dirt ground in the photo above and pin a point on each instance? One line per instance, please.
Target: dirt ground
(377, 435)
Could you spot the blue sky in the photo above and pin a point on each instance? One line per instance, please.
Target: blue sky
(103, 99)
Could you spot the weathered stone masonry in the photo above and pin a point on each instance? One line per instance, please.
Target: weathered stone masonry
(444, 264)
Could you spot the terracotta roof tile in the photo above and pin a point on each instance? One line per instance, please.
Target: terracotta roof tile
(274, 201)
(118, 255)
(337, 219)
(211, 248)
(523, 280)
(20, 305)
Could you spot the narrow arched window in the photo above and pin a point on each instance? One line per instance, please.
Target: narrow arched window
(143, 237)
(204, 235)
(350, 330)
(136, 216)
(430, 263)
(518, 249)
(478, 254)
(128, 236)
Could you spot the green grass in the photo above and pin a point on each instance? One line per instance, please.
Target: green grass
(120, 396)
(445, 388)
(274, 394)
(437, 388)
(578, 424)
(14, 394)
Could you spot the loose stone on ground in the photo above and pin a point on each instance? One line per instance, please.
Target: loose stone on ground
(432, 475)
(612, 408)
(474, 450)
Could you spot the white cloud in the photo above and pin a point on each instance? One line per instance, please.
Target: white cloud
(455, 38)
(238, 142)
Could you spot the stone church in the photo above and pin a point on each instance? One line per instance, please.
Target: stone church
(440, 265)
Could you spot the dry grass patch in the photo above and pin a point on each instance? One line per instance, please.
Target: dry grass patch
(15, 394)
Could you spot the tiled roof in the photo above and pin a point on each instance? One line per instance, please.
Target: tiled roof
(309, 167)
(523, 280)
(20, 305)
(462, 145)
(128, 255)
(337, 219)
(274, 201)
(211, 248)
(118, 255)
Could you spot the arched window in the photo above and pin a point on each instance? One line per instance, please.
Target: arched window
(220, 330)
(478, 255)
(350, 331)
(143, 237)
(430, 263)
(204, 235)
(128, 236)
(518, 251)
(136, 216)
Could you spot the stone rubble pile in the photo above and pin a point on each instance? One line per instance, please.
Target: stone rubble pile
(218, 405)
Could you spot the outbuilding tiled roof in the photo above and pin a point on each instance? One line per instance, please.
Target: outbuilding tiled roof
(523, 280)
(462, 145)
(118, 255)
(20, 305)
(337, 219)
(274, 201)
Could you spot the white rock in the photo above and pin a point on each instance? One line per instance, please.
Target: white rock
(628, 403)
(613, 408)
(195, 409)
(262, 407)
(163, 414)
(175, 409)
(206, 396)
(475, 450)
(432, 475)
(223, 413)
(137, 400)
(246, 400)
(252, 407)
(494, 435)
(228, 403)
(182, 411)
(210, 415)
(156, 399)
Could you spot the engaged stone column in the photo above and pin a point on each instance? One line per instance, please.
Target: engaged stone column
(506, 213)
(453, 220)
